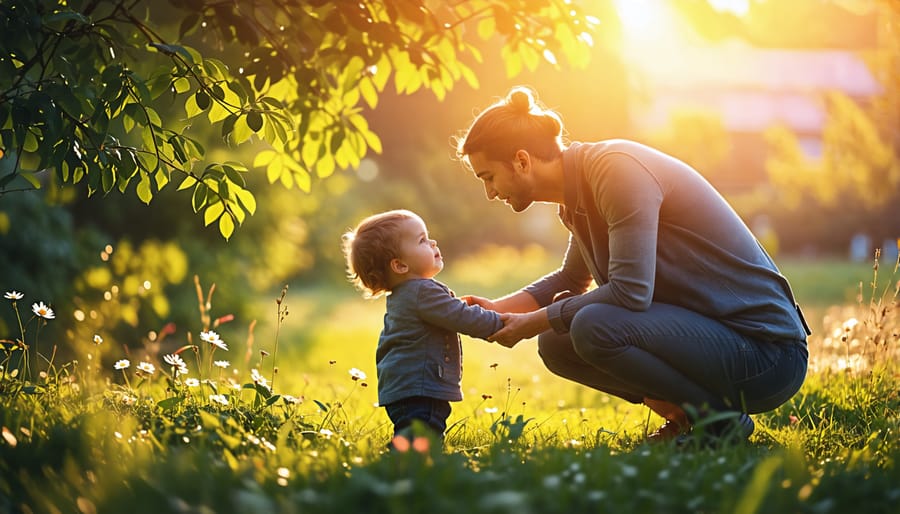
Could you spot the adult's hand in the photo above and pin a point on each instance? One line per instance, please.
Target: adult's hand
(520, 326)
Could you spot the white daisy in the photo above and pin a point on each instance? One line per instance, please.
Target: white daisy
(357, 374)
(219, 398)
(13, 295)
(191, 382)
(122, 364)
(146, 367)
(174, 360)
(213, 339)
(42, 310)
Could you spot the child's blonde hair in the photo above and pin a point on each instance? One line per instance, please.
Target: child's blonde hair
(369, 249)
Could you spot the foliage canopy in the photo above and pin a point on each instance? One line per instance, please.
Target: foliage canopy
(115, 94)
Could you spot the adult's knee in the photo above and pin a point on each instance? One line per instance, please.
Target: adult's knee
(555, 350)
(593, 333)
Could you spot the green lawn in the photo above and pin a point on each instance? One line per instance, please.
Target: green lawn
(522, 441)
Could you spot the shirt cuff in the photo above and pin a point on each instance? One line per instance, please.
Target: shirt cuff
(554, 315)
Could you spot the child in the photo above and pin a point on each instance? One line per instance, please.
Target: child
(419, 355)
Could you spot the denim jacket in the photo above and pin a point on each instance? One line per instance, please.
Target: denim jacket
(419, 352)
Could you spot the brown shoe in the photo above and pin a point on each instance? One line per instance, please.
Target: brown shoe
(668, 431)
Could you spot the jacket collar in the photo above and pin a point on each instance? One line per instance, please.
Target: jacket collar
(571, 184)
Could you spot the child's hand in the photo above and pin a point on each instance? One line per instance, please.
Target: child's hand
(484, 303)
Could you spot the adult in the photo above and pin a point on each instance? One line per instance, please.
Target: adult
(690, 316)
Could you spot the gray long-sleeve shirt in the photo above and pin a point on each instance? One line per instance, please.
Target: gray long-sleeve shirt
(649, 228)
(419, 352)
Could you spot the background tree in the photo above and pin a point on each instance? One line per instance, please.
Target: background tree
(212, 102)
(111, 93)
(854, 187)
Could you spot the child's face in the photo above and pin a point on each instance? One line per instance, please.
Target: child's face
(420, 256)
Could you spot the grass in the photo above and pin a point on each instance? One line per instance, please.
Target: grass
(522, 441)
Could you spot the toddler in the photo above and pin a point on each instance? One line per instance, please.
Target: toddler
(419, 355)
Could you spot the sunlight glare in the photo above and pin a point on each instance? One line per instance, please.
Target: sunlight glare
(638, 15)
(648, 21)
(735, 7)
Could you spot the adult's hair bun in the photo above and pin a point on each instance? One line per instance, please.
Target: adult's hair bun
(520, 99)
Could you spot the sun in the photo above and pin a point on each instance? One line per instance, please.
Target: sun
(640, 14)
(735, 7)
(646, 20)
(659, 20)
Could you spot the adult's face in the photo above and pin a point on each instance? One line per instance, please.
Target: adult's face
(504, 180)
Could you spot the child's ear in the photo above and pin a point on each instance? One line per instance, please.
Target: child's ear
(399, 267)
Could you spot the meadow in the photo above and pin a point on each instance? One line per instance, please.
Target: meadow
(291, 425)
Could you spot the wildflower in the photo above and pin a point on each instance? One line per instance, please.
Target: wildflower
(356, 374)
(219, 398)
(327, 433)
(403, 445)
(213, 339)
(191, 382)
(97, 339)
(222, 364)
(127, 399)
(177, 363)
(13, 295)
(146, 367)
(122, 364)
(491, 410)
(174, 360)
(258, 379)
(552, 481)
(291, 399)
(42, 310)
(421, 444)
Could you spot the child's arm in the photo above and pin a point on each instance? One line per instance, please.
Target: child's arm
(437, 306)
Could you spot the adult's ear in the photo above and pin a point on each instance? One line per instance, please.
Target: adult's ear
(521, 161)
(399, 267)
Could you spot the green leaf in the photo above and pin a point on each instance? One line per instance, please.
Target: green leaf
(148, 161)
(247, 200)
(198, 199)
(170, 403)
(191, 108)
(173, 50)
(228, 124)
(369, 94)
(188, 181)
(254, 121)
(209, 421)
(234, 176)
(203, 100)
(33, 180)
(108, 178)
(241, 131)
(144, 192)
(226, 228)
(212, 212)
(181, 85)
(65, 16)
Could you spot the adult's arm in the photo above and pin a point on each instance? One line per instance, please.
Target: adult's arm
(630, 197)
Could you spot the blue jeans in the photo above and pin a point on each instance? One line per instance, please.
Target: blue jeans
(431, 412)
(676, 355)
